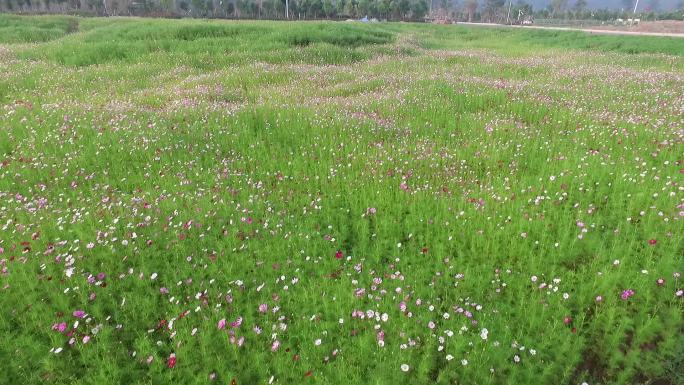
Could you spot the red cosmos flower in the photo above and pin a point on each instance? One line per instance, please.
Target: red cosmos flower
(171, 361)
(425, 250)
(567, 320)
(652, 241)
(339, 254)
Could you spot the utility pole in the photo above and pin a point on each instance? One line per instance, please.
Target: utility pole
(635, 6)
(287, 10)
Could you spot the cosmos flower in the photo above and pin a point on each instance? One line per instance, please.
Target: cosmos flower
(626, 294)
(171, 362)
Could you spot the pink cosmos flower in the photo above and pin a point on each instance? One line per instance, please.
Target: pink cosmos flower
(263, 308)
(381, 338)
(60, 327)
(626, 294)
(221, 324)
(79, 313)
(236, 323)
(275, 345)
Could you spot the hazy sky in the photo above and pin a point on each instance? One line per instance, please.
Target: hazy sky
(664, 4)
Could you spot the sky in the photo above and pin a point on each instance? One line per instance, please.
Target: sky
(664, 4)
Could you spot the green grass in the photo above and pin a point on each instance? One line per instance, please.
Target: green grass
(526, 40)
(505, 178)
(19, 29)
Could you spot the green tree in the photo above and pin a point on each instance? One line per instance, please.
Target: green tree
(363, 7)
(349, 9)
(419, 9)
(328, 8)
(403, 6)
(384, 8)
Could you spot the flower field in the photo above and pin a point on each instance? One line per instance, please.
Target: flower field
(237, 202)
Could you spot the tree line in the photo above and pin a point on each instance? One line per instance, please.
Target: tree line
(497, 11)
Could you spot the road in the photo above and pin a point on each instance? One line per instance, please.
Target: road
(587, 30)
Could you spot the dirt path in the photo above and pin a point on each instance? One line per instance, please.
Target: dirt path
(588, 30)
